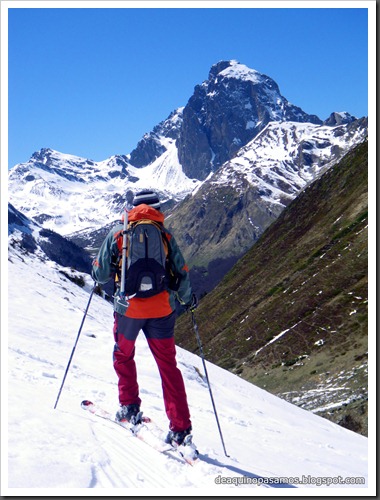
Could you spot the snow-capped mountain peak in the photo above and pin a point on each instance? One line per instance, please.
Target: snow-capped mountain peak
(68, 193)
(339, 118)
(228, 115)
(234, 69)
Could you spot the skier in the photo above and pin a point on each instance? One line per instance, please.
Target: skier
(155, 316)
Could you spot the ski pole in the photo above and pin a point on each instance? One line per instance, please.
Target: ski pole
(72, 352)
(124, 254)
(208, 381)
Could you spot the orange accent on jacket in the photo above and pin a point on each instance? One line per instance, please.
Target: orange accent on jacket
(157, 306)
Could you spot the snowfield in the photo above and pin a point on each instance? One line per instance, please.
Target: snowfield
(63, 186)
(274, 447)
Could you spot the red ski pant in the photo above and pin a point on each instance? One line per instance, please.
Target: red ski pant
(159, 333)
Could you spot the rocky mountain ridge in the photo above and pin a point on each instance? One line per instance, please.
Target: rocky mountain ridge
(225, 112)
(228, 213)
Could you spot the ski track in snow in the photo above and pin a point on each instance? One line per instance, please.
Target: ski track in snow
(71, 451)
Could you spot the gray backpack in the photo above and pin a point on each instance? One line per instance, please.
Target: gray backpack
(147, 259)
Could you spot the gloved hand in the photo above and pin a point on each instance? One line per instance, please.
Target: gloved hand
(193, 304)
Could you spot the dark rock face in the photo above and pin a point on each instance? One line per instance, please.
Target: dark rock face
(150, 147)
(226, 112)
(338, 119)
(147, 150)
(64, 252)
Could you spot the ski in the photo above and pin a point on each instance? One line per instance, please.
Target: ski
(148, 432)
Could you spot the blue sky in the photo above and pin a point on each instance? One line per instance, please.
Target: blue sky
(91, 81)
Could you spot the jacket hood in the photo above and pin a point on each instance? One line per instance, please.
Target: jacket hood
(145, 212)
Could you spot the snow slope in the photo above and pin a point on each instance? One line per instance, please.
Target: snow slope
(67, 451)
(284, 157)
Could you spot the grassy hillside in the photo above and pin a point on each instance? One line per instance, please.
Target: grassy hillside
(291, 315)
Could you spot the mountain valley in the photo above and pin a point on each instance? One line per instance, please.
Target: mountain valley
(269, 206)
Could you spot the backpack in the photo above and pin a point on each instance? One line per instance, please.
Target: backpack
(147, 264)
